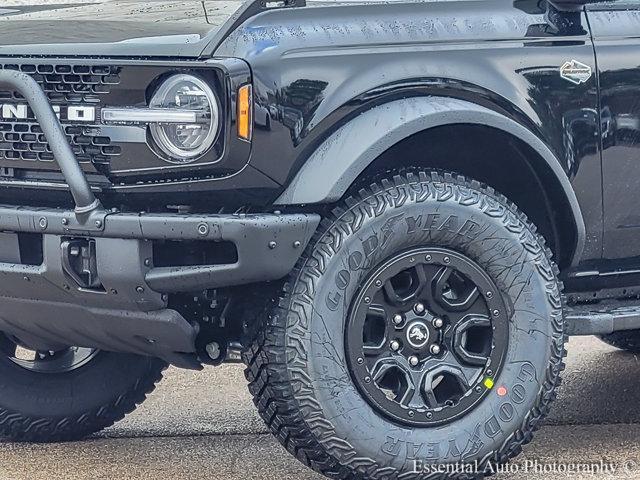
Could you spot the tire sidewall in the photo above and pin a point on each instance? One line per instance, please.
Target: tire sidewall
(102, 381)
(438, 213)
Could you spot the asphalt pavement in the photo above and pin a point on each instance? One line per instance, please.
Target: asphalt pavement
(202, 425)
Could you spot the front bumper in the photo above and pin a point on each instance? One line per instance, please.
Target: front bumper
(47, 309)
(123, 306)
(268, 245)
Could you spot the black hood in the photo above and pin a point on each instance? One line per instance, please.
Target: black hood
(171, 28)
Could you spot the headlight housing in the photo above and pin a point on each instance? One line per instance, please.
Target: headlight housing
(185, 140)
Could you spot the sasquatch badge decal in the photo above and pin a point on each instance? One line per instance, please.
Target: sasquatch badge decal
(576, 72)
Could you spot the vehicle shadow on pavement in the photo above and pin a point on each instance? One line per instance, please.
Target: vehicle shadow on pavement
(599, 385)
(203, 425)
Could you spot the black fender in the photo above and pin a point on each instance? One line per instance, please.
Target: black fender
(333, 167)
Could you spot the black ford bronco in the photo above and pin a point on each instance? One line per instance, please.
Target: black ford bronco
(394, 212)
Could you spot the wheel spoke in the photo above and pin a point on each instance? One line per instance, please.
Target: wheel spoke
(452, 293)
(445, 384)
(468, 374)
(8, 347)
(473, 331)
(376, 330)
(406, 286)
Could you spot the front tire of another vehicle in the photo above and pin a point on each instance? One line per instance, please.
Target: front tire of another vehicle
(422, 327)
(68, 394)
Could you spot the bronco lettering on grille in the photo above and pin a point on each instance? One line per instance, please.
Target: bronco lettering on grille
(72, 113)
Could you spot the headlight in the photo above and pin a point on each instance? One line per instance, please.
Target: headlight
(185, 140)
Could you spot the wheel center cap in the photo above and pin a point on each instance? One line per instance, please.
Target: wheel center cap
(418, 334)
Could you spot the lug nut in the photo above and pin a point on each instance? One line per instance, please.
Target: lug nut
(397, 319)
(419, 308)
(413, 360)
(395, 345)
(435, 349)
(438, 322)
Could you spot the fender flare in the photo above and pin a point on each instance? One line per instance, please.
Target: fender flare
(336, 164)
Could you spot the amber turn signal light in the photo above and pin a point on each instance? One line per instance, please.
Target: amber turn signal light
(244, 112)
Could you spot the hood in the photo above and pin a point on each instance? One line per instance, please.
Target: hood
(132, 28)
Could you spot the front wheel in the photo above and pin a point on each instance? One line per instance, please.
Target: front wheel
(423, 327)
(68, 394)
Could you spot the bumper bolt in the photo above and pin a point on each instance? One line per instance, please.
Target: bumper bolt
(413, 360)
(395, 345)
(435, 349)
(397, 319)
(419, 308)
(98, 224)
(65, 221)
(203, 229)
(438, 322)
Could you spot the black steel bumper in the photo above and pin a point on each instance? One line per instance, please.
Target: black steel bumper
(47, 307)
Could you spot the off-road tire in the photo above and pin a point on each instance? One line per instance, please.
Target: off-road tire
(628, 340)
(58, 407)
(296, 363)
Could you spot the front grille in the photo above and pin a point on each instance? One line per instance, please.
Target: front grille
(68, 83)
(110, 153)
(23, 141)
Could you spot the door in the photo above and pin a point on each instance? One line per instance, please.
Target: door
(615, 28)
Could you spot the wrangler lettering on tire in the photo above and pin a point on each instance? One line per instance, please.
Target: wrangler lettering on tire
(422, 325)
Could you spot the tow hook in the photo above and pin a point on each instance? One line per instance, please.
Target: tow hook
(79, 262)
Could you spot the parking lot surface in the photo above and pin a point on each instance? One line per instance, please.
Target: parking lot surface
(202, 425)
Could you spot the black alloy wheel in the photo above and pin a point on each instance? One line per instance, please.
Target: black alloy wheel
(60, 361)
(426, 337)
